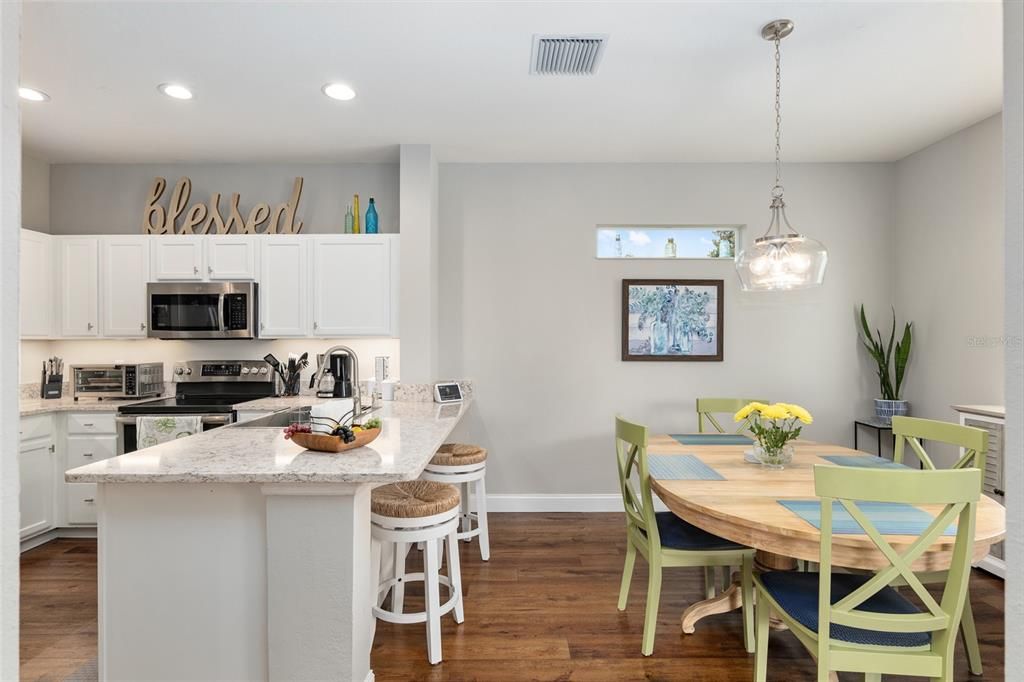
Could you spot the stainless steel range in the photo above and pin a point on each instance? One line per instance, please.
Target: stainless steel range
(209, 389)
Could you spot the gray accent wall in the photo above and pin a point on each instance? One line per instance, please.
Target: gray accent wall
(533, 318)
(949, 272)
(109, 198)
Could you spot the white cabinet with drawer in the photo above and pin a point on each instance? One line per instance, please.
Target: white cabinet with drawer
(84, 423)
(81, 503)
(82, 450)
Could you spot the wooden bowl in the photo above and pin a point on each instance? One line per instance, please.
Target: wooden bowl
(324, 443)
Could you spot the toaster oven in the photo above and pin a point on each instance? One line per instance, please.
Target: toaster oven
(117, 381)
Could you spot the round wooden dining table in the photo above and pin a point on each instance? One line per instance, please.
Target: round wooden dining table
(745, 508)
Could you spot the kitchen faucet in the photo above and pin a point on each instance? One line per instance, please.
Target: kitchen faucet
(357, 403)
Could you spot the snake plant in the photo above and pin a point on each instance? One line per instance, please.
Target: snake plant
(891, 358)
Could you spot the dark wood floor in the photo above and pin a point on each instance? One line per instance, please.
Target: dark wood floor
(543, 608)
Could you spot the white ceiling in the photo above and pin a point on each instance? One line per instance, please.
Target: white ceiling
(686, 81)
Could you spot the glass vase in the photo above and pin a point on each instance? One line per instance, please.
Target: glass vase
(774, 458)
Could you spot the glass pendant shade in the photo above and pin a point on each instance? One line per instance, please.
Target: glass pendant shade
(781, 261)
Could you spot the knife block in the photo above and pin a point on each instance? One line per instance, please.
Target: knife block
(52, 387)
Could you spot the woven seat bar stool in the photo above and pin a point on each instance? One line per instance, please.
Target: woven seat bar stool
(465, 466)
(414, 512)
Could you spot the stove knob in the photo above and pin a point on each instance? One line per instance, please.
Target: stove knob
(188, 370)
(245, 370)
(264, 371)
(179, 371)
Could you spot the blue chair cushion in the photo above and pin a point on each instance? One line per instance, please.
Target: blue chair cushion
(797, 594)
(678, 534)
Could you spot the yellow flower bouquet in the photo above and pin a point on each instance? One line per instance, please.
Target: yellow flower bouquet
(774, 426)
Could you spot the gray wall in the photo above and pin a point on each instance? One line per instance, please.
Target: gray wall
(35, 193)
(533, 318)
(1013, 129)
(109, 198)
(949, 274)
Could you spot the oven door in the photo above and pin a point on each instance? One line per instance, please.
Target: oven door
(126, 430)
(210, 310)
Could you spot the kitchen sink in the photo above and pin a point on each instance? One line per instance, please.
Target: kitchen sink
(278, 419)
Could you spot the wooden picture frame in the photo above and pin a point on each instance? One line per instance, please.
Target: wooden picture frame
(673, 320)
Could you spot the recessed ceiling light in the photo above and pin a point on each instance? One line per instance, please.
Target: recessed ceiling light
(32, 95)
(175, 90)
(339, 91)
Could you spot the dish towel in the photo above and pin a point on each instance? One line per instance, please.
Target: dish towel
(150, 431)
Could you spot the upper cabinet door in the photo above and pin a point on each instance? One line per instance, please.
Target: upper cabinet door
(352, 285)
(124, 272)
(36, 285)
(178, 257)
(284, 287)
(232, 257)
(79, 286)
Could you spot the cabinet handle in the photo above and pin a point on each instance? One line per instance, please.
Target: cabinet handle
(86, 454)
(999, 491)
(195, 269)
(209, 269)
(315, 325)
(90, 424)
(89, 326)
(90, 500)
(53, 448)
(142, 326)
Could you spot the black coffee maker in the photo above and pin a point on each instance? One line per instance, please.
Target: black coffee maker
(340, 370)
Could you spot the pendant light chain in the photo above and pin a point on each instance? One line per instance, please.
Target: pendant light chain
(777, 189)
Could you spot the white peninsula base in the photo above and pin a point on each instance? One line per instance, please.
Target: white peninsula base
(235, 581)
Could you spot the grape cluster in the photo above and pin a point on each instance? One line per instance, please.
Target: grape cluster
(345, 433)
(296, 428)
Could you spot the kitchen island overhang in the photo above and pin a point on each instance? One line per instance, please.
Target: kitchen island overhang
(237, 554)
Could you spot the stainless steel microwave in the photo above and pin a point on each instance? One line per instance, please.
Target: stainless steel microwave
(202, 310)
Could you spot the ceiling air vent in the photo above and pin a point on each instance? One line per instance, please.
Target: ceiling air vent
(564, 55)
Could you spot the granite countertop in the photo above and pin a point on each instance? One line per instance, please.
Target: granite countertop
(32, 406)
(412, 432)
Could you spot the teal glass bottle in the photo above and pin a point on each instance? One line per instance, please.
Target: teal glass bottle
(371, 218)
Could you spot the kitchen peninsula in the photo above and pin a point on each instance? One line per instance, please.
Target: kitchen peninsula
(235, 554)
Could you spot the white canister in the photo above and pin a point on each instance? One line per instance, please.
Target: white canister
(387, 389)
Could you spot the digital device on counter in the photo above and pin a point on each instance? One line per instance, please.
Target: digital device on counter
(447, 392)
(143, 380)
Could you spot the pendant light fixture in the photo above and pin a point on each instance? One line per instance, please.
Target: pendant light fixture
(780, 260)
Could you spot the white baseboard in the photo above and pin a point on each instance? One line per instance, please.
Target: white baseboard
(991, 564)
(55, 533)
(558, 503)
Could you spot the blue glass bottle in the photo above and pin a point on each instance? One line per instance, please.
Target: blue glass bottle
(371, 218)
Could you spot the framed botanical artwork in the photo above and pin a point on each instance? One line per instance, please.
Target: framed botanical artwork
(672, 319)
(672, 242)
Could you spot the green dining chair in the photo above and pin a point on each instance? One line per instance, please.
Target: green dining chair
(859, 623)
(707, 408)
(665, 540)
(911, 431)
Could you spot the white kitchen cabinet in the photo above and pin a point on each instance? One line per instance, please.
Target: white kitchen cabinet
(232, 257)
(37, 299)
(81, 504)
(352, 285)
(178, 257)
(249, 415)
(79, 286)
(37, 474)
(124, 272)
(284, 287)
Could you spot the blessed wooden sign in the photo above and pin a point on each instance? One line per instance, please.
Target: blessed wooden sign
(203, 219)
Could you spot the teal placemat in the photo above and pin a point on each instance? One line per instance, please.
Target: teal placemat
(681, 468)
(890, 518)
(712, 439)
(863, 461)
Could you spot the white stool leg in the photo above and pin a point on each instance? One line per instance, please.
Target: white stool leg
(398, 591)
(455, 574)
(467, 523)
(481, 519)
(432, 590)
